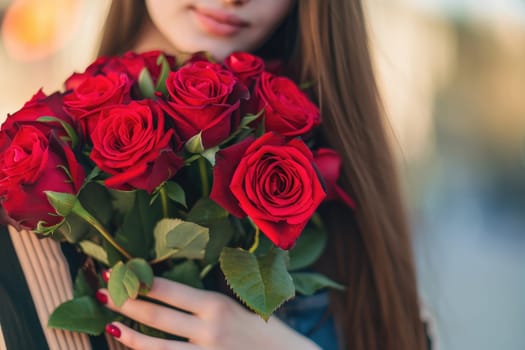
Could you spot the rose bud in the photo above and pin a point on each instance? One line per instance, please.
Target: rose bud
(131, 144)
(287, 110)
(271, 180)
(204, 98)
(328, 164)
(31, 163)
(245, 66)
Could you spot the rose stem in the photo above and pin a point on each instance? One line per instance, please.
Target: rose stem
(205, 271)
(81, 212)
(164, 201)
(204, 177)
(255, 244)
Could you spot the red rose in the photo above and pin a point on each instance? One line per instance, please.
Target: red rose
(133, 63)
(245, 66)
(204, 97)
(93, 93)
(328, 163)
(287, 110)
(40, 105)
(271, 180)
(31, 163)
(130, 144)
(130, 64)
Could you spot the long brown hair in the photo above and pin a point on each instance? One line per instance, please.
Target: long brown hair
(369, 249)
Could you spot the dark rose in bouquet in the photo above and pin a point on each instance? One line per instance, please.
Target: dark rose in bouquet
(130, 142)
(271, 180)
(31, 163)
(204, 98)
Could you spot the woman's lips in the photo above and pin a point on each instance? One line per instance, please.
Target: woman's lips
(218, 22)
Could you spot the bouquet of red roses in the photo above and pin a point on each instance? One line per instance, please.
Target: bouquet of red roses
(154, 166)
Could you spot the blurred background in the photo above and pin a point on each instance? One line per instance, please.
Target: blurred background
(452, 73)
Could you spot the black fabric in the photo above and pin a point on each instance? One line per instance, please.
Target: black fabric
(18, 318)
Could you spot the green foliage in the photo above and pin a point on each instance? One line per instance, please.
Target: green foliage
(206, 211)
(70, 131)
(62, 202)
(82, 314)
(134, 235)
(176, 193)
(95, 251)
(194, 144)
(307, 283)
(308, 248)
(186, 272)
(146, 84)
(82, 287)
(164, 72)
(221, 233)
(128, 280)
(209, 154)
(262, 283)
(175, 238)
(143, 272)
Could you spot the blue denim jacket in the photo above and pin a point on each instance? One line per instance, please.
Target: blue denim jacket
(309, 315)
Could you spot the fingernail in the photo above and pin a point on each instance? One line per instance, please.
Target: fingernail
(113, 330)
(101, 297)
(105, 275)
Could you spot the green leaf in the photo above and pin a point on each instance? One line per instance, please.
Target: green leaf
(210, 153)
(262, 283)
(175, 238)
(62, 202)
(82, 314)
(131, 283)
(250, 118)
(96, 199)
(122, 201)
(307, 283)
(44, 230)
(146, 84)
(176, 193)
(74, 229)
(194, 144)
(95, 251)
(186, 272)
(70, 131)
(189, 239)
(205, 211)
(82, 287)
(116, 288)
(261, 129)
(221, 233)
(143, 272)
(92, 175)
(191, 159)
(308, 248)
(134, 235)
(164, 72)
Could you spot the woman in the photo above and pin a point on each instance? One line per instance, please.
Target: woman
(368, 249)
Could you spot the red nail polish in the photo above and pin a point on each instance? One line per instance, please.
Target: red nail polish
(113, 330)
(101, 297)
(105, 275)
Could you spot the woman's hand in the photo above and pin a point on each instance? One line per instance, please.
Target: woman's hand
(214, 322)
